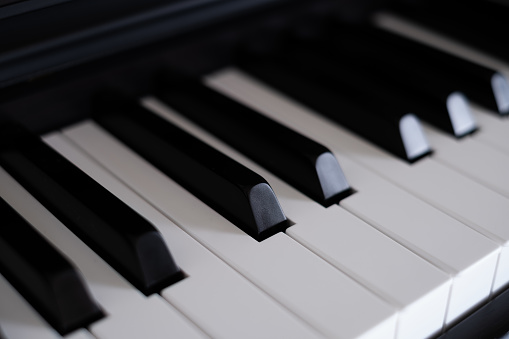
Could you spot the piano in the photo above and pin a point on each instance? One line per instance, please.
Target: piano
(254, 169)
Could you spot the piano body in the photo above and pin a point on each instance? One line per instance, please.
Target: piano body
(232, 282)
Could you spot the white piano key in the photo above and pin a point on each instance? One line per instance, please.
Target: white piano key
(431, 234)
(473, 158)
(318, 293)
(469, 202)
(150, 319)
(80, 334)
(493, 129)
(342, 142)
(118, 299)
(418, 289)
(353, 246)
(18, 319)
(212, 295)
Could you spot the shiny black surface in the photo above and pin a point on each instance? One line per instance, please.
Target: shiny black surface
(43, 275)
(302, 162)
(122, 237)
(239, 194)
(358, 108)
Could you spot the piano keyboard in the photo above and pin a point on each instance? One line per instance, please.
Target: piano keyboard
(414, 246)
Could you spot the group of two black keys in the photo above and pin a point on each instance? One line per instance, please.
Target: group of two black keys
(308, 69)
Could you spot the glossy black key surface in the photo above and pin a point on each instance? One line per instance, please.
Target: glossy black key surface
(122, 237)
(362, 109)
(43, 275)
(349, 55)
(234, 191)
(479, 24)
(303, 163)
(395, 50)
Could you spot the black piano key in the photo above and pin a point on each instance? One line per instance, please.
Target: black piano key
(234, 191)
(475, 80)
(385, 122)
(43, 276)
(303, 163)
(350, 56)
(127, 241)
(479, 24)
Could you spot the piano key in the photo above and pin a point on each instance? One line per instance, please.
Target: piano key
(240, 195)
(405, 27)
(392, 127)
(467, 201)
(483, 85)
(490, 321)
(354, 247)
(382, 265)
(479, 24)
(45, 277)
(495, 130)
(303, 163)
(80, 334)
(286, 111)
(152, 319)
(352, 57)
(128, 312)
(475, 159)
(278, 265)
(212, 295)
(404, 228)
(18, 320)
(356, 141)
(431, 234)
(127, 240)
(293, 202)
